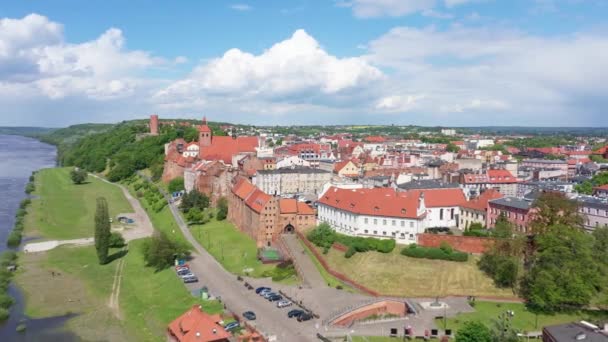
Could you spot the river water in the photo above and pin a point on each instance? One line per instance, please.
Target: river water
(19, 156)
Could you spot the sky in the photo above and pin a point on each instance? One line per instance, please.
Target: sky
(266, 62)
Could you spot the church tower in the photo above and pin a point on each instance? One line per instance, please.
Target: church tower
(204, 135)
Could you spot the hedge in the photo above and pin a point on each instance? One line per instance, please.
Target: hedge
(323, 236)
(445, 252)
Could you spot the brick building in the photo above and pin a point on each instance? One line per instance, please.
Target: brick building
(518, 211)
(475, 210)
(264, 217)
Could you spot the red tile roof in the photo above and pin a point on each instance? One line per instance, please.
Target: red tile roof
(373, 202)
(341, 164)
(197, 326)
(603, 187)
(601, 150)
(481, 203)
(375, 139)
(292, 206)
(223, 148)
(243, 188)
(434, 198)
(491, 176)
(257, 200)
(305, 209)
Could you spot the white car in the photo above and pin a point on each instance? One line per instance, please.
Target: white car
(283, 303)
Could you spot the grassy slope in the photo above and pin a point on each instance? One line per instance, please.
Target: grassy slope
(329, 279)
(66, 211)
(233, 249)
(404, 276)
(523, 320)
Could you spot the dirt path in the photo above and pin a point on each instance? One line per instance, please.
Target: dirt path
(114, 302)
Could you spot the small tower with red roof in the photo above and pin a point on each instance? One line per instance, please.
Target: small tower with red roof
(204, 135)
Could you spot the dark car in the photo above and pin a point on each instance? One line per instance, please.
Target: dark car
(304, 317)
(295, 313)
(250, 315)
(260, 289)
(275, 298)
(231, 326)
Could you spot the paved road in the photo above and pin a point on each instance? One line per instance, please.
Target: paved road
(271, 321)
(306, 267)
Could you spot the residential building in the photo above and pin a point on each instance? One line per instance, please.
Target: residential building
(346, 168)
(422, 184)
(197, 325)
(442, 206)
(291, 181)
(449, 131)
(502, 180)
(378, 212)
(518, 211)
(575, 332)
(546, 164)
(292, 161)
(527, 187)
(594, 212)
(475, 210)
(601, 191)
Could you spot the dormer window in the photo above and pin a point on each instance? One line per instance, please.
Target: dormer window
(403, 211)
(376, 208)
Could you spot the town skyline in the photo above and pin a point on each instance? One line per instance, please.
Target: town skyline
(429, 63)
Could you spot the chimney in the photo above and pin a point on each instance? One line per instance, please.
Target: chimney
(198, 334)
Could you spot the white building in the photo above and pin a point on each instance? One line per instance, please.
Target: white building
(379, 213)
(191, 150)
(448, 131)
(292, 161)
(291, 181)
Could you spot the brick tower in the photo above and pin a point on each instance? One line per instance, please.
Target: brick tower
(154, 124)
(204, 135)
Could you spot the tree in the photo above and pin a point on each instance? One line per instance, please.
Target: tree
(222, 209)
(102, 230)
(600, 253)
(501, 261)
(197, 216)
(176, 184)
(116, 240)
(502, 329)
(160, 252)
(451, 147)
(194, 199)
(474, 331)
(553, 208)
(78, 176)
(564, 273)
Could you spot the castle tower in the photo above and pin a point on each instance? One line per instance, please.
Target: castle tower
(154, 124)
(204, 135)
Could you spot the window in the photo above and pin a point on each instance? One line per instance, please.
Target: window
(375, 232)
(384, 233)
(411, 224)
(365, 220)
(402, 223)
(384, 222)
(452, 214)
(375, 221)
(365, 231)
(441, 214)
(394, 223)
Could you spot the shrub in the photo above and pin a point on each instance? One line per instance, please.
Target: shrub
(222, 209)
(350, 252)
(14, 238)
(442, 253)
(176, 184)
(323, 236)
(116, 240)
(29, 188)
(6, 301)
(24, 203)
(3, 314)
(78, 176)
(7, 258)
(159, 251)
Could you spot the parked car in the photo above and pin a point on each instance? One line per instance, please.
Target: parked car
(231, 326)
(181, 268)
(260, 289)
(275, 298)
(283, 303)
(295, 313)
(184, 275)
(184, 272)
(304, 317)
(268, 294)
(265, 292)
(250, 315)
(190, 279)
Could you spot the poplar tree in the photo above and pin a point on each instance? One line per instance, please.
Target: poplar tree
(102, 230)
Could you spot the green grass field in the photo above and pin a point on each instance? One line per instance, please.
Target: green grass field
(232, 248)
(148, 300)
(398, 275)
(63, 210)
(523, 319)
(329, 279)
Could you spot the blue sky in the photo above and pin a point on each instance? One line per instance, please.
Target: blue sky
(430, 62)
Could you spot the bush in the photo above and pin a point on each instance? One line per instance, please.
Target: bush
(116, 240)
(323, 236)
(78, 176)
(445, 252)
(222, 209)
(176, 184)
(6, 301)
(24, 203)
(160, 252)
(7, 258)
(3, 314)
(14, 238)
(350, 252)
(29, 188)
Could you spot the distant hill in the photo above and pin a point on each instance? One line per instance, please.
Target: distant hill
(71, 134)
(26, 131)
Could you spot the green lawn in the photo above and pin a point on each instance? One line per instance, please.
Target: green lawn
(148, 300)
(329, 279)
(235, 250)
(63, 210)
(523, 319)
(411, 277)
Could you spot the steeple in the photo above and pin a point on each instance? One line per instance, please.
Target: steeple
(204, 120)
(204, 135)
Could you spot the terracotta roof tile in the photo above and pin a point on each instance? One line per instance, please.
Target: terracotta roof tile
(373, 202)
(196, 325)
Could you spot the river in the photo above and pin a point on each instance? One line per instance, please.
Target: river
(19, 156)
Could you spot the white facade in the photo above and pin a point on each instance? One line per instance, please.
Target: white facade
(403, 230)
(448, 131)
(191, 150)
(442, 217)
(292, 162)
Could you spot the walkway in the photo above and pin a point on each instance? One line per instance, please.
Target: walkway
(307, 268)
(141, 228)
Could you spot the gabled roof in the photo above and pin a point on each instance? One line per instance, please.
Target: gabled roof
(197, 326)
(373, 202)
(257, 200)
(342, 164)
(292, 206)
(435, 198)
(481, 203)
(243, 188)
(223, 148)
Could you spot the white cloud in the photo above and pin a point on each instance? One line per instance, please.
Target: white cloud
(453, 3)
(436, 14)
(241, 7)
(399, 103)
(296, 70)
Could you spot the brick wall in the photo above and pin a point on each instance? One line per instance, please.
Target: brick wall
(468, 244)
